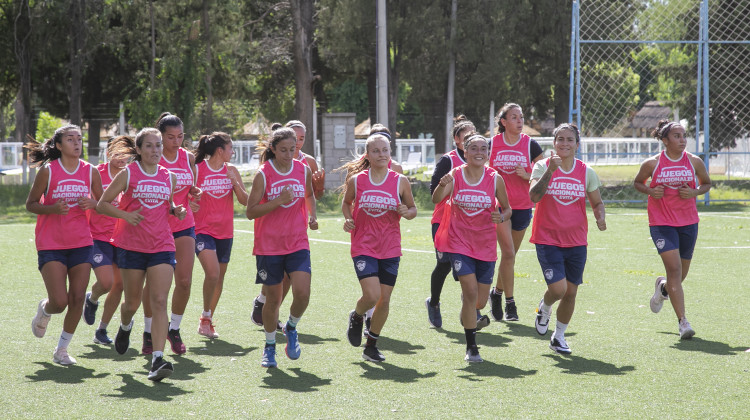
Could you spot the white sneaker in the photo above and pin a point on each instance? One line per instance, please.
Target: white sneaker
(40, 321)
(559, 345)
(542, 319)
(657, 300)
(472, 355)
(686, 331)
(62, 357)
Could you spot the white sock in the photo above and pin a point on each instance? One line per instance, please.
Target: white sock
(207, 314)
(147, 324)
(156, 355)
(262, 298)
(174, 323)
(95, 302)
(103, 325)
(270, 337)
(293, 320)
(546, 308)
(129, 326)
(560, 330)
(44, 312)
(65, 338)
(370, 312)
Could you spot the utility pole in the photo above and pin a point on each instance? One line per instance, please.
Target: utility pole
(382, 67)
(449, 111)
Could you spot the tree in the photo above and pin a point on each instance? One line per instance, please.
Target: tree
(303, 28)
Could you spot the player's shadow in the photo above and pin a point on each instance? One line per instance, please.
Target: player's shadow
(218, 347)
(707, 346)
(142, 388)
(386, 371)
(73, 374)
(477, 371)
(184, 368)
(485, 338)
(298, 382)
(398, 346)
(522, 330)
(313, 340)
(100, 352)
(577, 365)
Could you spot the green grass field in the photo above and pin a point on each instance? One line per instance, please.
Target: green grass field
(626, 362)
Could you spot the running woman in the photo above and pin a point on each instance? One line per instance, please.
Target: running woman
(144, 241)
(60, 196)
(182, 163)
(513, 155)
(467, 232)
(453, 159)
(560, 185)
(375, 200)
(282, 204)
(381, 129)
(672, 214)
(214, 221)
(103, 262)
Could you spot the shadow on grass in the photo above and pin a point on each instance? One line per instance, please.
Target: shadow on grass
(477, 371)
(386, 371)
(218, 347)
(145, 389)
(104, 352)
(73, 374)
(485, 338)
(577, 365)
(299, 382)
(398, 346)
(184, 368)
(707, 346)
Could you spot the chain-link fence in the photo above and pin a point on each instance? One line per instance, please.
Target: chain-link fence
(634, 62)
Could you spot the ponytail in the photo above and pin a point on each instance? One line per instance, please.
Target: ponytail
(167, 120)
(208, 143)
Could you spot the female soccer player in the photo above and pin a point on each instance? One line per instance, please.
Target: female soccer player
(467, 232)
(560, 185)
(60, 196)
(144, 241)
(282, 204)
(214, 221)
(672, 214)
(513, 155)
(375, 199)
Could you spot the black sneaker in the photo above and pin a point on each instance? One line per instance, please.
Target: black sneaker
(89, 310)
(178, 347)
(496, 305)
(148, 345)
(122, 340)
(372, 354)
(257, 316)
(354, 332)
(366, 332)
(511, 314)
(279, 326)
(160, 370)
(482, 322)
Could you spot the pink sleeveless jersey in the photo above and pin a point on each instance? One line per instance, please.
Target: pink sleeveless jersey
(181, 167)
(671, 210)
(467, 226)
(504, 159)
(216, 215)
(102, 226)
(560, 216)
(150, 193)
(283, 230)
(377, 232)
(65, 231)
(456, 161)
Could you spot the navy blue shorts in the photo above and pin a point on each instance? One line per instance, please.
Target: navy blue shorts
(271, 268)
(134, 260)
(103, 254)
(562, 263)
(386, 270)
(440, 256)
(463, 265)
(184, 232)
(667, 238)
(70, 257)
(520, 219)
(223, 247)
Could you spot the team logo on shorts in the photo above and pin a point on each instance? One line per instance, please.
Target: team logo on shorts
(660, 243)
(263, 275)
(200, 246)
(548, 273)
(98, 258)
(361, 265)
(457, 265)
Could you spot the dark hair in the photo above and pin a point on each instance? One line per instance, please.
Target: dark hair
(472, 137)
(118, 143)
(461, 123)
(167, 120)
(296, 123)
(264, 148)
(503, 112)
(663, 127)
(378, 128)
(567, 126)
(42, 153)
(359, 163)
(208, 143)
(127, 149)
(275, 126)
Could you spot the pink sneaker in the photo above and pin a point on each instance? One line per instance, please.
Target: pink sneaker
(206, 328)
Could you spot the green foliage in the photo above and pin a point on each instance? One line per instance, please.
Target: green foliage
(46, 126)
(349, 96)
(616, 85)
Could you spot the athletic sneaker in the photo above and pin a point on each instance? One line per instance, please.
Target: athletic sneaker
(206, 328)
(472, 355)
(257, 316)
(269, 357)
(148, 345)
(354, 332)
(496, 305)
(559, 345)
(686, 331)
(542, 319)
(101, 337)
(40, 321)
(160, 369)
(89, 310)
(61, 357)
(292, 348)
(511, 313)
(178, 347)
(433, 314)
(122, 340)
(368, 320)
(372, 354)
(657, 300)
(482, 321)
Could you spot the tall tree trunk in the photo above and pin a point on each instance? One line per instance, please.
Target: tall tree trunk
(302, 22)
(153, 42)
(209, 68)
(76, 13)
(22, 48)
(372, 95)
(95, 127)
